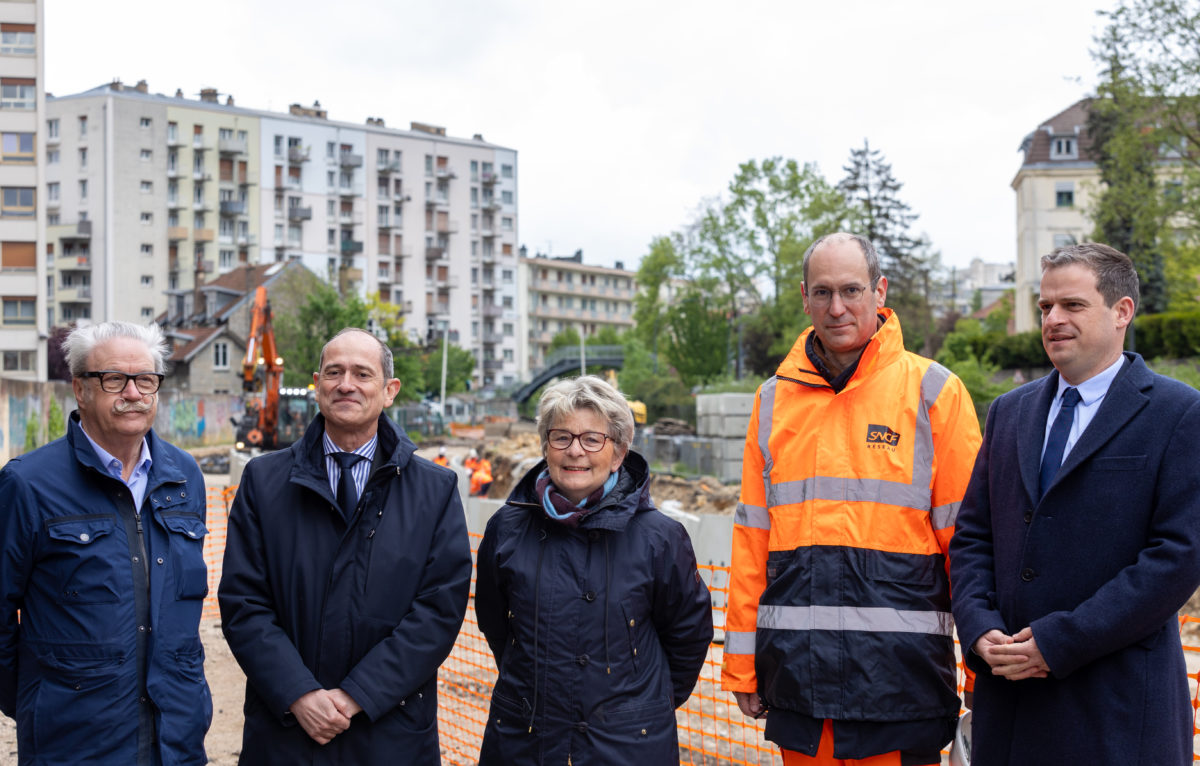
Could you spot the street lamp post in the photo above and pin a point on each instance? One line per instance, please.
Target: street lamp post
(445, 352)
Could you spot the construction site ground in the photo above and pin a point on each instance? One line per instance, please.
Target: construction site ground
(511, 454)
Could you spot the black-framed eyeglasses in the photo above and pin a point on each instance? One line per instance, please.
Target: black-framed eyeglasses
(591, 441)
(114, 382)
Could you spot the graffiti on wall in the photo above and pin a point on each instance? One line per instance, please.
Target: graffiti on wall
(192, 421)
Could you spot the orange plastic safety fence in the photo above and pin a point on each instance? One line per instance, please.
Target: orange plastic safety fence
(711, 728)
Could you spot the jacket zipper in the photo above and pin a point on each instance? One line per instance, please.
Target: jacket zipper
(137, 516)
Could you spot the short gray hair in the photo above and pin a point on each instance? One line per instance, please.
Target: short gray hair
(864, 244)
(82, 341)
(385, 354)
(586, 392)
(1116, 276)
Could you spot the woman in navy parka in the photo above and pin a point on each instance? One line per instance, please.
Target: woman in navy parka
(589, 598)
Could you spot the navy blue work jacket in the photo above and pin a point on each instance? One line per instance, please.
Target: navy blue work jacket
(105, 665)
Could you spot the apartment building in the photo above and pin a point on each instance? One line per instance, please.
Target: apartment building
(563, 292)
(23, 324)
(1054, 185)
(158, 194)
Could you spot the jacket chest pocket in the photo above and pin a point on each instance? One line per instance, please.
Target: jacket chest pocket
(185, 547)
(83, 555)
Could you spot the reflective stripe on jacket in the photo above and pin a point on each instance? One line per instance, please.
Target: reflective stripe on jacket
(839, 603)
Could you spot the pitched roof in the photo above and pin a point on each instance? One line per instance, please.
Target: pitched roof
(1072, 122)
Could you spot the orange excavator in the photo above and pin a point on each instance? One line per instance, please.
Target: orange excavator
(274, 417)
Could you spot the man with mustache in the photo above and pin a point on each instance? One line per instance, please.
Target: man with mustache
(101, 553)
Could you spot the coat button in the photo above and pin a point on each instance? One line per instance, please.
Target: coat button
(85, 536)
(643, 732)
(589, 596)
(1028, 517)
(581, 726)
(1027, 574)
(160, 561)
(168, 498)
(582, 660)
(631, 623)
(182, 495)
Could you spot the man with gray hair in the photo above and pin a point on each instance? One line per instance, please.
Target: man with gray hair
(345, 581)
(102, 554)
(857, 455)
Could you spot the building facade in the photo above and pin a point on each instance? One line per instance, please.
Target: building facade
(564, 292)
(1055, 186)
(24, 324)
(155, 195)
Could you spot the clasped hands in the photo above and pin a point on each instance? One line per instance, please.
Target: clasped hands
(325, 713)
(1013, 657)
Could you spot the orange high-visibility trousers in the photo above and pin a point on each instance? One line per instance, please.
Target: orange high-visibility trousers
(824, 756)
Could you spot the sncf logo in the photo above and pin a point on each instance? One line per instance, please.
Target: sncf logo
(882, 437)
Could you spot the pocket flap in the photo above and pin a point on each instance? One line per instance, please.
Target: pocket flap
(187, 525)
(81, 531)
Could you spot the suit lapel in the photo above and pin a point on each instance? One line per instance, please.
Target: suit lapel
(1035, 406)
(1125, 399)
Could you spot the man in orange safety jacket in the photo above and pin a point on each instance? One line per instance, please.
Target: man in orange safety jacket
(858, 453)
(481, 477)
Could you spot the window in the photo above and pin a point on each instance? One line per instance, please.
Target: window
(147, 312)
(18, 40)
(147, 248)
(224, 134)
(147, 217)
(331, 149)
(145, 155)
(1064, 240)
(147, 280)
(52, 191)
(18, 361)
(172, 132)
(506, 171)
(52, 128)
(225, 260)
(508, 329)
(83, 126)
(506, 276)
(83, 159)
(52, 219)
(146, 187)
(17, 202)
(428, 164)
(18, 255)
(474, 170)
(17, 147)
(52, 156)
(383, 211)
(1173, 191)
(83, 190)
(144, 122)
(474, 196)
(384, 188)
(1063, 148)
(381, 157)
(1064, 194)
(19, 310)
(332, 237)
(18, 93)
(278, 146)
(220, 355)
(506, 223)
(331, 179)
(506, 197)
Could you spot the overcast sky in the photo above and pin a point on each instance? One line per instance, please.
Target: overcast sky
(626, 115)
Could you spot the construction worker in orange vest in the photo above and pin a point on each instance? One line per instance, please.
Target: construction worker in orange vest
(481, 478)
(470, 460)
(858, 453)
(441, 458)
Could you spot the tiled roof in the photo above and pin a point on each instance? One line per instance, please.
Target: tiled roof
(193, 340)
(1071, 121)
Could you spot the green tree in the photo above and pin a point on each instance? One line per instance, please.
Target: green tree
(699, 339)
(460, 366)
(1128, 212)
(56, 426)
(407, 365)
(907, 261)
(655, 272)
(568, 337)
(301, 337)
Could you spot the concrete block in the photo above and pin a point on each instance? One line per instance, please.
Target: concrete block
(734, 426)
(735, 404)
(706, 404)
(731, 470)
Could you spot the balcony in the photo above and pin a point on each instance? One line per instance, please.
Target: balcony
(447, 282)
(447, 227)
(488, 285)
(347, 191)
(174, 172)
(73, 293)
(173, 139)
(348, 160)
(492, 338)
(489, 256)
(292, 183)
(437, 201)
(202, 235)
(83, 230)
(231, 145)
(487, 178)
(70, 262)
(349, 219)
(176, 233)
(232, 208)
(298, 213)
(445, 171)
(492, 310)
(297, 155)
(198, 143)
(437, 308)
(434, 253)
(488, 232)
(389, 167)
(491, 205)
(351, 247)
(201, 206)
(401, 197)
(246, 240)
(493, 364)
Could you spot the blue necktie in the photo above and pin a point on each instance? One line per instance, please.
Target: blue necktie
(1057, 442)
(347, 494)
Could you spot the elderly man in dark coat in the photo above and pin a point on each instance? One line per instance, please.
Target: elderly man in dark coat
(1079, 539)
(345, 582)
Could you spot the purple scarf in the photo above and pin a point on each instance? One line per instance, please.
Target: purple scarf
(562, 510)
